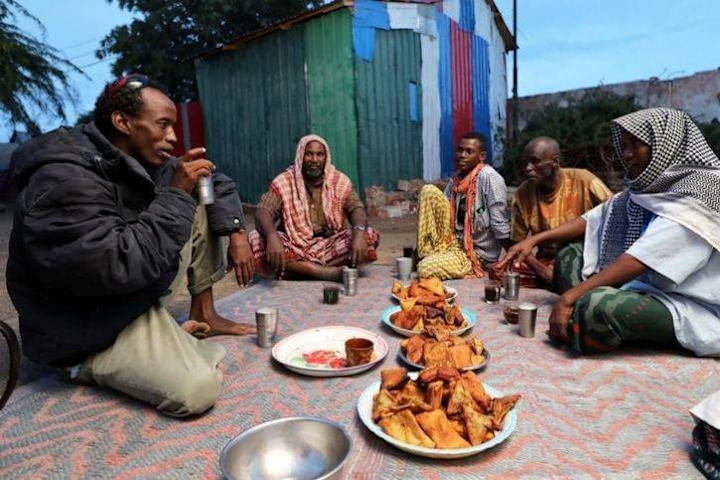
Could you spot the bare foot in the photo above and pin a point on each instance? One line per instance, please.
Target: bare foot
(196, 329)
(222, 326)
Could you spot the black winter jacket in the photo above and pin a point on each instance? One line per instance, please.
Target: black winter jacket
(96, 240)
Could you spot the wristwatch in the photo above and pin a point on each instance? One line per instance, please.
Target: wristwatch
(362, 228)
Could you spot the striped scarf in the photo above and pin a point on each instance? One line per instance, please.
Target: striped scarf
(681, 182)
(467, 186)
(290, 187)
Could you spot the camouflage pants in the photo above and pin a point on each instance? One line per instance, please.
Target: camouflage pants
(606, 317)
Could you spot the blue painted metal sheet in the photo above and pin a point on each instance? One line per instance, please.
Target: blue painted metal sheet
(481, 92)
(447, 149)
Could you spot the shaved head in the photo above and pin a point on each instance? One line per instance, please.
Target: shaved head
(543, 147)
(542, 161)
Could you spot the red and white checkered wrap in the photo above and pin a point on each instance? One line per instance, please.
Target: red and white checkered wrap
(290, 187)
(331, 251)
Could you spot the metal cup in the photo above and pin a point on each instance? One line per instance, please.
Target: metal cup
(350, 278)
(512, 285)
(266, 320)
(527, 315)
(206, 191)
(404, 268)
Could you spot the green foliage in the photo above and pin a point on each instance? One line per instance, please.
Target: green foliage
(168, 34)
(33, 75)
(583, 131)
(711, 131)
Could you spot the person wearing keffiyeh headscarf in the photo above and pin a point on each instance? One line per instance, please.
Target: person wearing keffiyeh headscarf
(311, 202)
(649, 266)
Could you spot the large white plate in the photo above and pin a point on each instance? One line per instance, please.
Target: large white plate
(469, 316)
(479, 366)
(289, 350)
(452, 294)
(365, 412)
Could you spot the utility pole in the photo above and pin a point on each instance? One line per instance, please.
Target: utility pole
(515, 133)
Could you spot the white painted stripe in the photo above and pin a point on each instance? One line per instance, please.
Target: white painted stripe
(431, 107)
(451, 8)
(403, 16)
(483, 20)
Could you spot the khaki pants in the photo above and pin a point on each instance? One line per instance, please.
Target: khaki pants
(156, 361)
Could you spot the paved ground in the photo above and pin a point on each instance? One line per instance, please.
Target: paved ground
(395, 233)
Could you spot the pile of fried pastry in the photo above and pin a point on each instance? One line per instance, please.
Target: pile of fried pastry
(438, 347)
(424, 302)
(441, 409)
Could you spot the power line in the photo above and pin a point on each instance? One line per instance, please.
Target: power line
(80, 44)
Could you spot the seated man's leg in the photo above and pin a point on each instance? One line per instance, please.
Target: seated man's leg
(203, 258)
(435, 234)
(446, 265)
(568, 268)
(156, 361)
(606, 317)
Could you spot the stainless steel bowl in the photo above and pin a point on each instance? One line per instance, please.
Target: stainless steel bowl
(299, 448)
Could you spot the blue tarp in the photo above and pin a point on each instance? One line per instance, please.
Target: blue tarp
(368, 15)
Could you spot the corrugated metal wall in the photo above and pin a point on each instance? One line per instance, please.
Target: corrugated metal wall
(390, 142)
(330, 87)
(251, 99)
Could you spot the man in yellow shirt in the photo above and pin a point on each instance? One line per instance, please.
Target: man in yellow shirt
(549, 197)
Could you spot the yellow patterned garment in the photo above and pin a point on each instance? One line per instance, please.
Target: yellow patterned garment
(534, 212)
(437, 244)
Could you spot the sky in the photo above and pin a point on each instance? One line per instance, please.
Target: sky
(564, 44)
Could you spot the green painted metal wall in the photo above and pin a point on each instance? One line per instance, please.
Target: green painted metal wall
(331, 87)
(254, 108)
(390, 143)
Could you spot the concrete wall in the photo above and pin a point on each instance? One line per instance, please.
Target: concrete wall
(698, 95)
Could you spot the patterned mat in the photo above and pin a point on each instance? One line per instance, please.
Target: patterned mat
(609, 416)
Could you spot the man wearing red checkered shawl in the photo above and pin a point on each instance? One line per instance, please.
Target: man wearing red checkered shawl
(301, 219)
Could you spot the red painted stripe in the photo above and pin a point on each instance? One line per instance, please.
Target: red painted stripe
(462, 85)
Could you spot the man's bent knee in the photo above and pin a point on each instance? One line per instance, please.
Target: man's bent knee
(194, 395)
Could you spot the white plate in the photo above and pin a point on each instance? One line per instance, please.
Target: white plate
(479, 366)
(289, 350)
(450, 299)
(365, 404)
(469, 316)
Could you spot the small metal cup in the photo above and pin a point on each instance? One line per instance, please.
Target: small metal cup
(527, 316)
(206, 191)
(512, 285)
(350, 278)
(266, 320)
(404, 268)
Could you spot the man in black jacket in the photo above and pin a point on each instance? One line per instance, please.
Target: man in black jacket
(106, 226)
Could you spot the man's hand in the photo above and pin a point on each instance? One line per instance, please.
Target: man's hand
(241, 259)
(275, 254)
(560, 319)
(358, 254)
(190, 168)
(516, 253)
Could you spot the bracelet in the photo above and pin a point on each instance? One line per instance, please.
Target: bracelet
(362, 228)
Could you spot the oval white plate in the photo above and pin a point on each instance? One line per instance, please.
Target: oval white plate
(365, 411)
(450, 299)
(469, 316)
(479, 366)
(289, 350)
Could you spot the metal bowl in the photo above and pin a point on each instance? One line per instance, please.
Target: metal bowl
(299, 448)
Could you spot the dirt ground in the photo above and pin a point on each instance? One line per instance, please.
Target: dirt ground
(395, 233)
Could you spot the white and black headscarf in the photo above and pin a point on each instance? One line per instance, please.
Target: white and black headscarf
(681, 182)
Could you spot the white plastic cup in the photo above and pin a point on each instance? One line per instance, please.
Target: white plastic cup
(404, 268)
